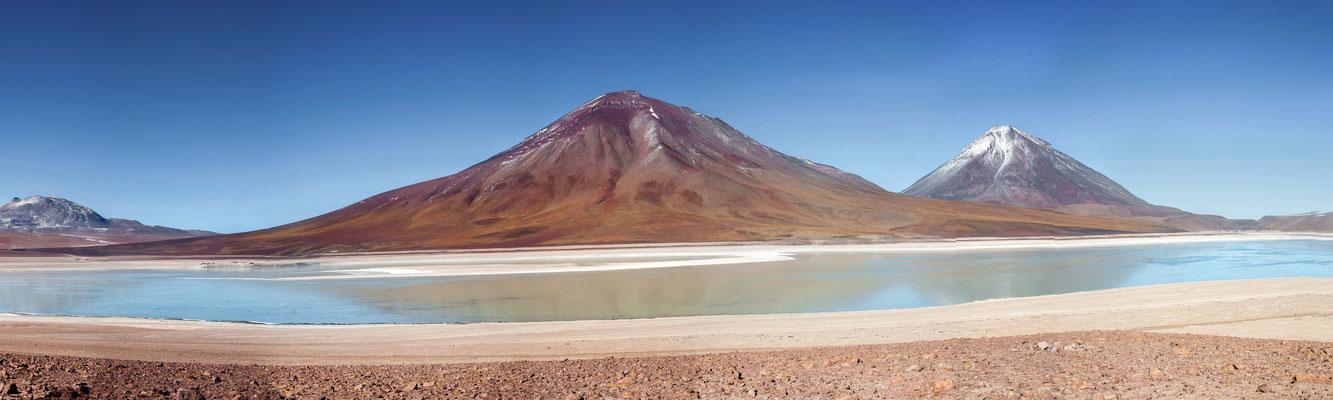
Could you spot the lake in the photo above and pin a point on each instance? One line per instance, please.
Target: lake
(811, 282)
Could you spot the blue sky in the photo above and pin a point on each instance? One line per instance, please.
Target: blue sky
(237, 115)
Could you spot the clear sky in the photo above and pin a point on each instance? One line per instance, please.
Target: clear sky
(236, 115)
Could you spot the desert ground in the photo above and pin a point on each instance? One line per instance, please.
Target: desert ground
(1081, 365)
(1228, 339)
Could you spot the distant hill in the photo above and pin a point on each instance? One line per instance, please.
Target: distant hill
(1307, 222)
(627, 168)
(41, 221)
(1008, 166)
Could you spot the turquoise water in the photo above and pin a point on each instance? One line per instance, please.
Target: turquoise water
(813, 282)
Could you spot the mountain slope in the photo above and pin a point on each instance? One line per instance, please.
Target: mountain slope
(625, 168)
(41, 221)
(1008, 166)
(1307, 222)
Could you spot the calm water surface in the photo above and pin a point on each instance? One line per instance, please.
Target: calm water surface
(813, 282)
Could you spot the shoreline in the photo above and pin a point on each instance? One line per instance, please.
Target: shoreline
(608, 257)
(1282, 308)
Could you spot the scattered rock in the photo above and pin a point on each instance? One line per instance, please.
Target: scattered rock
(1113, 367)
(1045, 393)
(1310, 378)
(1043, 345)
(188, 394)
(62, 393)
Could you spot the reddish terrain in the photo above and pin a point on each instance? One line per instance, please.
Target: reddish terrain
(625, 168)
(20, 240)
(1083, 365)
(1308, 222)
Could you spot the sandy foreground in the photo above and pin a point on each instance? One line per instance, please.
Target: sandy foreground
(1100, 365)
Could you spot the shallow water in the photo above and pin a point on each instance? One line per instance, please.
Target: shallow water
(812, 282)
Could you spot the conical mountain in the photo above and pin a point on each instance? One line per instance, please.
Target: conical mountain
(1008, 166)
(1011, 167)
(625, 168)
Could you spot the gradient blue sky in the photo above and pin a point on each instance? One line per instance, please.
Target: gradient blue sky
(237, 115)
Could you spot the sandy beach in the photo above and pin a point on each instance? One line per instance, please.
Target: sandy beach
(1287, 308)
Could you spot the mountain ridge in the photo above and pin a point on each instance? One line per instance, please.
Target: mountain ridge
(1304, 222)
(627, 168)
(38, 221)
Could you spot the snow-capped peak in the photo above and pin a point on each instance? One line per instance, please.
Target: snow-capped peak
(1009, 166)
(1009, 136)
(42, 212)
(54, 214)
(59, 203)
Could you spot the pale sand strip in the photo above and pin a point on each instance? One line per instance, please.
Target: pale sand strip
(586, 258)
(1286, 308)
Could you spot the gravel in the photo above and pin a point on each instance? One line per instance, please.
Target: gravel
(1096, 365)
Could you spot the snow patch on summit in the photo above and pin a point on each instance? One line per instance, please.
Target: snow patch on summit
(1006, 165)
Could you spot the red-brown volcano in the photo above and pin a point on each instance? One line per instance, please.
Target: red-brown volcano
(625, 168)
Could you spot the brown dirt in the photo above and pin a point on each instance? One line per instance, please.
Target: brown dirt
(1097, 365)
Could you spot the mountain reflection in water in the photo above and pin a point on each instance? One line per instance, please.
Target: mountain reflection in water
(811, 282)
